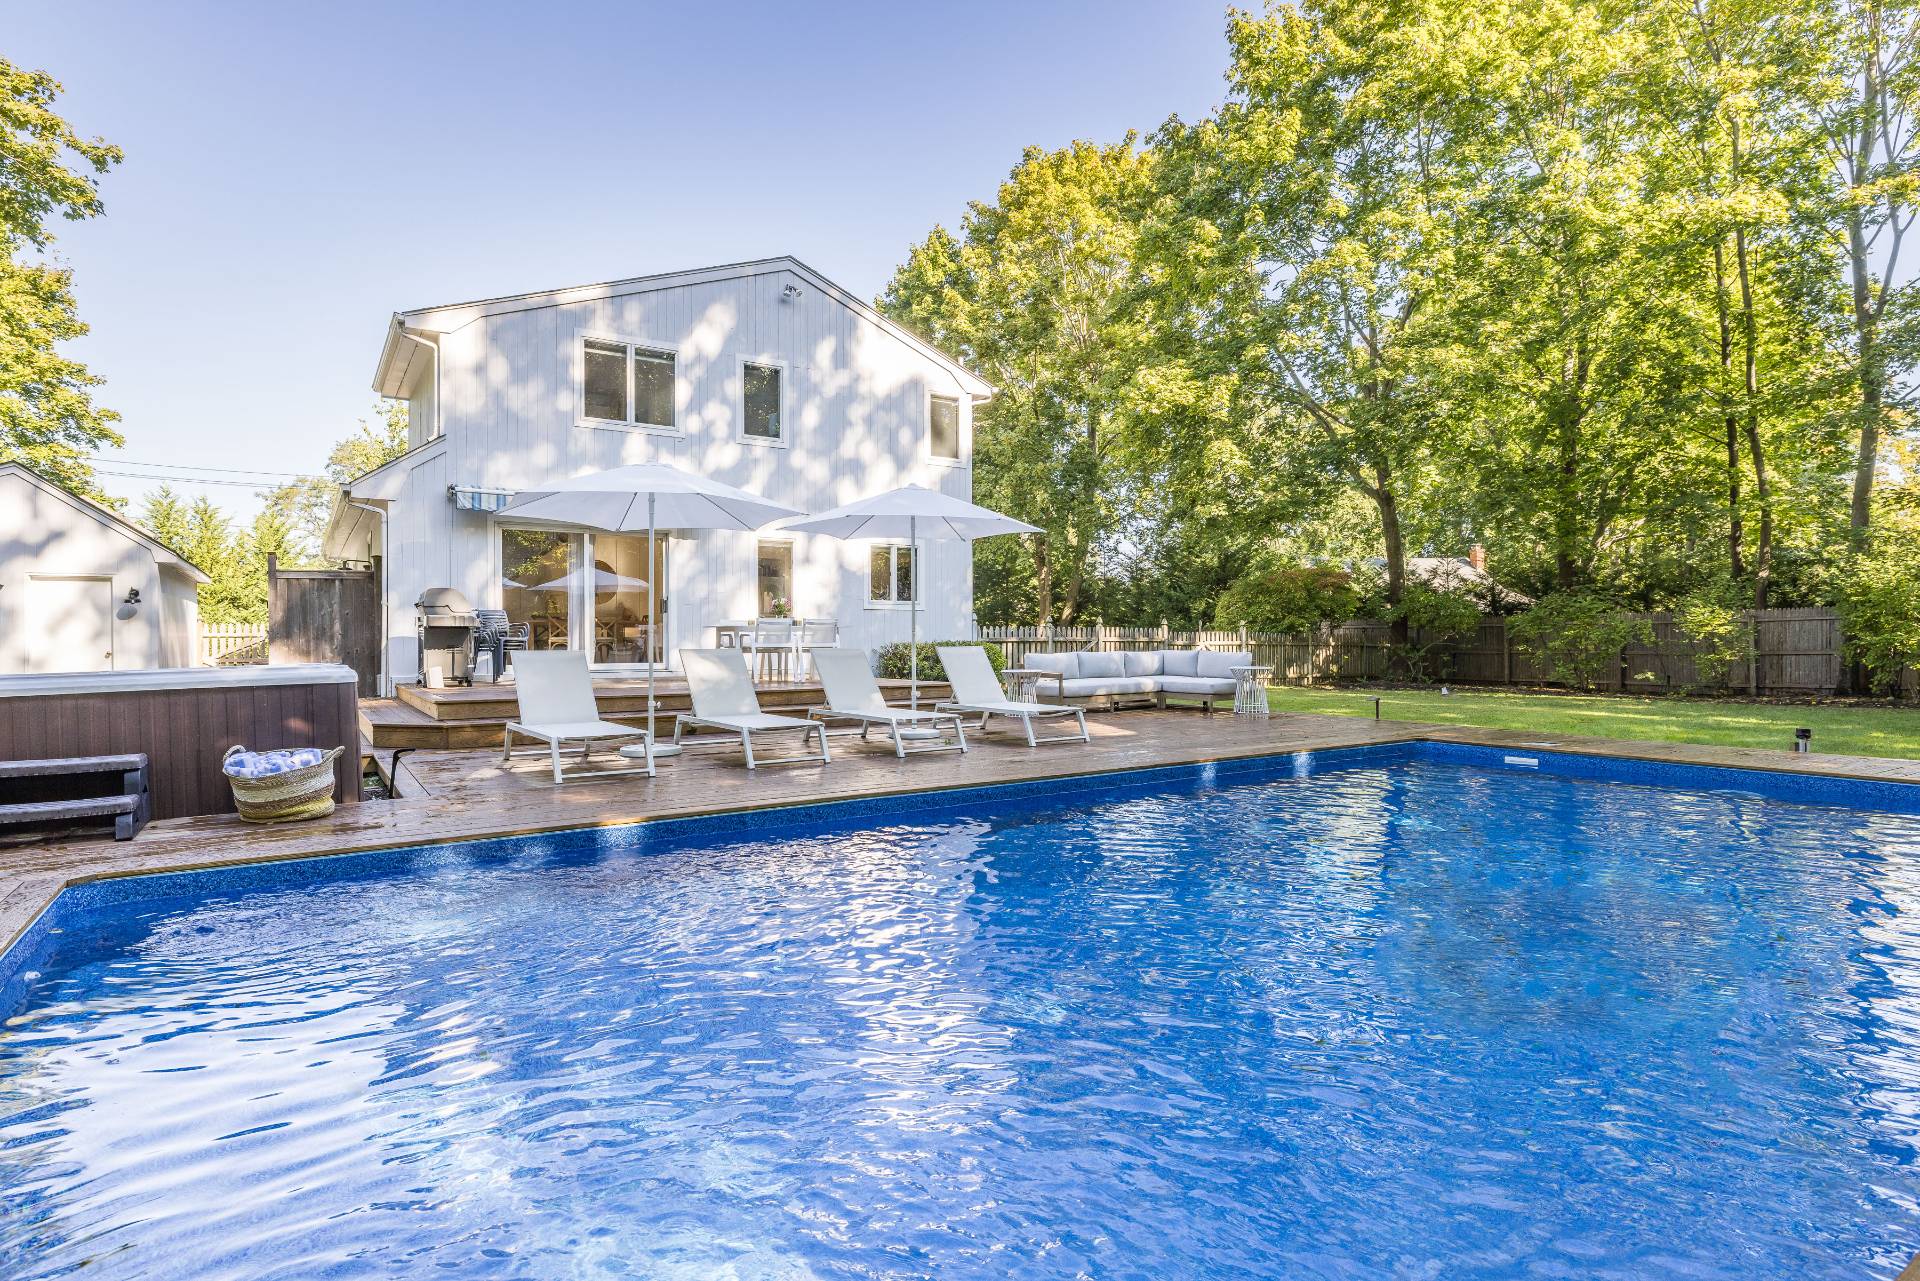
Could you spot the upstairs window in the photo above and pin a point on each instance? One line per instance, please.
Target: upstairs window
(890, 575)
(624, 383)
(761, 385)
(943, 427)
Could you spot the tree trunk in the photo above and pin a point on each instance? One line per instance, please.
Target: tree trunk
(1756, 449)
(1393, 542)
(1866, 311)
(1736, 531)
(1042, 578)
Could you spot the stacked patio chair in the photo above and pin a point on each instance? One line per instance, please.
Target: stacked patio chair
(494, 632)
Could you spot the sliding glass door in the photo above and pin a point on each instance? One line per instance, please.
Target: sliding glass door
(587, 592)
(625, 633)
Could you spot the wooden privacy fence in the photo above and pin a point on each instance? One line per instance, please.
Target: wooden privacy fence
(325, 616)
(1786, 651)
(232, 644)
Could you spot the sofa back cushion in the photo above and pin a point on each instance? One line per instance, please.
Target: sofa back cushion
(1179, 662)
(1096, 665)
(1066, 666)
(1220, 666)
(1142, 662)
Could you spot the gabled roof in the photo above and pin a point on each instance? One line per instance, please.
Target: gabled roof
(398, 355)
(162, 553)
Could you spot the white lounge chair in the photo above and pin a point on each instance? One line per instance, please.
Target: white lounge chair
(853, 694)
(557, 707)
(975, 689)
(723, 699)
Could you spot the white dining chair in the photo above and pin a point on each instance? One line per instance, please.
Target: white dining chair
(815, 633)
(770, 647)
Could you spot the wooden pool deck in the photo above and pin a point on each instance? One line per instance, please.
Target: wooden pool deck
(470, 795)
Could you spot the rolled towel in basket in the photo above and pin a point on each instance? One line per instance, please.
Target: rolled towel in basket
(245, 764)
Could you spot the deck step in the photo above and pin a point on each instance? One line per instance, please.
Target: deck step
(83, 807)
(125, 763)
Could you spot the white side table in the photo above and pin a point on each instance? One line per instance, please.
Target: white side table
(1022, 684)
(1250, 690)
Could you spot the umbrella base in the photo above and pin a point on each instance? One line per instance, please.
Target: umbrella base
(661, 751)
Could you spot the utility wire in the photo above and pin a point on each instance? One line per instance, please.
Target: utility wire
(186, 480)
(115, 460)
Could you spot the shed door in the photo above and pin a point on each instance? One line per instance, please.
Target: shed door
(71, 624)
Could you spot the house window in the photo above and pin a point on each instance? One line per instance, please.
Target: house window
(762, 395)
(890, 575)
(776, 580)
(624, 383)
(943, 427)
(537, 576)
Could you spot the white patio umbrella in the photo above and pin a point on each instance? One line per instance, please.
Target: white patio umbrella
(604, 580)
(912, 512)
(650, 497)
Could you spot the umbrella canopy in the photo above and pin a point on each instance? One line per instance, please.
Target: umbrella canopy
(604, 580)
(912, 511)
(616, 500)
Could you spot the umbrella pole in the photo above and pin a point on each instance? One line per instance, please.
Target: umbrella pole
(656, 641)
(913, 611)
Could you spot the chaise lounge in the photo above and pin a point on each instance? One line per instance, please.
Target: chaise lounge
(1148, 675)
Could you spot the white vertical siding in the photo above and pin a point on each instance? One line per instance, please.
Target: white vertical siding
(855, 405)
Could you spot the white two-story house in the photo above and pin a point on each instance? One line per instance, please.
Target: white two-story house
(764, 375)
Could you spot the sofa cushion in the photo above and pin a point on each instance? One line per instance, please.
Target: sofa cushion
(1142, 662)
(1087, 687)
(1066, 665)
(1220, 666)
(1179, 662)
(1094, 665)
(1195, 685)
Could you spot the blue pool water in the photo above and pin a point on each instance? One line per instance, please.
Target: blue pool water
(1408, 1018)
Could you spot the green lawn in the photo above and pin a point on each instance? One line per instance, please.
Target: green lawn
(1860, 731)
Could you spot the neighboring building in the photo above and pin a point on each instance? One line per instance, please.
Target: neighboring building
(84, 590)
(1467, 575)
(764, 375)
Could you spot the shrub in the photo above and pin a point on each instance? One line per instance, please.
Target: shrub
(1578, 636)
(1720, 636)
(1279, 597)
(896, 659)
(1440, 616)
(1880, 594)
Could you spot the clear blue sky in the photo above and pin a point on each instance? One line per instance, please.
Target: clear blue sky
(296, 173)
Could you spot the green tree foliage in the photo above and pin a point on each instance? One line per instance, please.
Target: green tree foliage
(47, 171)
(1276, 596)
(1880, 588)
(895, 661)
(288, 526)
(1577, 636)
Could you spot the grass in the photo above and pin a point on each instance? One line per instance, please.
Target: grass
(1851, 730)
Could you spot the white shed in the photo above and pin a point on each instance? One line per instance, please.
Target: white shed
(84, 590)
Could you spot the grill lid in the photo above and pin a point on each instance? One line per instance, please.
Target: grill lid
(442, 601)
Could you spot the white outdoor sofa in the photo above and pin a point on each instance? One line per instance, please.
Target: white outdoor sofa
(1147, 675)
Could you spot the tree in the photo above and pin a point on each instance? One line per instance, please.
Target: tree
(1876, 148)
(47, 415)
(304, 506)
(1031, 296)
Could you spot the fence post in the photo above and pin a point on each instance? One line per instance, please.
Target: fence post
(1753, 657)
(1243, 636)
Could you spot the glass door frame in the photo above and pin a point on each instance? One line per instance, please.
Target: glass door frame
(580, 602)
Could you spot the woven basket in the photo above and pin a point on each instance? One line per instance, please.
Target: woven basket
(306, 792)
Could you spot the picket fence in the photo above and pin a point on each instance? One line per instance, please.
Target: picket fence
(232, 644)
(1792, 652)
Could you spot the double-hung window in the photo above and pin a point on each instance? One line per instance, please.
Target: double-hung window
(890, 578)
(626, 383)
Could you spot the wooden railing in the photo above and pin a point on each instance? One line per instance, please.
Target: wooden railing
(232, 644)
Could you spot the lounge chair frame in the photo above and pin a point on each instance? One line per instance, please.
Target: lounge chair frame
(723, 699)
(558, 683)
(854, 695)
(966, 665)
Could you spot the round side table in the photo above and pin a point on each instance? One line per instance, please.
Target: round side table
(1022, 684)
(1250, 690)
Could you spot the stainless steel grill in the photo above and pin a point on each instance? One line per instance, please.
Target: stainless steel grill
(444, 624)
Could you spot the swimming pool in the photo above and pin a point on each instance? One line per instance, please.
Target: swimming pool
(1417, 1011)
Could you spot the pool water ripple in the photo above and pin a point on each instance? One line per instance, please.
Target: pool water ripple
(1415, 1021)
